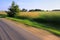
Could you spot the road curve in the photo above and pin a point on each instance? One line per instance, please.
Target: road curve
(8, 31)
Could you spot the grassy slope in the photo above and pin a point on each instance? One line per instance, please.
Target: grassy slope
(37, 25)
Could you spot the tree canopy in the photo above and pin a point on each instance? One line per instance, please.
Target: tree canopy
(13, 10)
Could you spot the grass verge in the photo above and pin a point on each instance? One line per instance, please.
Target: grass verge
(37, 25)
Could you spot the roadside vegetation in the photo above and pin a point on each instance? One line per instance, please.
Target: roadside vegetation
(3, 14)
(47, 20)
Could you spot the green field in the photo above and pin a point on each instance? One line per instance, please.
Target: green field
(49, 21)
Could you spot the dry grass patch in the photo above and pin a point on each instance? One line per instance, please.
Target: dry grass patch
(2, 12)
(30, 14)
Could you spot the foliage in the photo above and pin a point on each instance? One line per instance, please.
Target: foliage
(24, 10)
(33, 10)
(56, 10)
(13, 10)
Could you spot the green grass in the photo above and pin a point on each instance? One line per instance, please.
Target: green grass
(37, 25)
(3, 16)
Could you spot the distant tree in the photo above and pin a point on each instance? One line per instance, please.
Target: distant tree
(13, 10)
(35, 10)
(31, 10)
(24, 10)
(56, 10)
(38, 10)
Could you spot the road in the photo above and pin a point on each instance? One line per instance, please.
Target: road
(9, 31)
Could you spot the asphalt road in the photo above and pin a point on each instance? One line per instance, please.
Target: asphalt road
(10, 31)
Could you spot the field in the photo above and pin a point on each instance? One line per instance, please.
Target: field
(29, 14)
(37, 14)
(2, 14)
(49, 21)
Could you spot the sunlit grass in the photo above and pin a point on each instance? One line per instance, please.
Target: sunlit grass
(38, 14)
(37, 25)
(29, 14)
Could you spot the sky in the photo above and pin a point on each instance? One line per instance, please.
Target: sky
(31, 4)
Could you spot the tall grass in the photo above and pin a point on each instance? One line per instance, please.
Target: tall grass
(3, 14)
(29, 14)
(51, 19)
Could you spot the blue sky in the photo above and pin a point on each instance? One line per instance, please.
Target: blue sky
(31, 4)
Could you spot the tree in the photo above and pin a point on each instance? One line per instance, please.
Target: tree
(24, 10)
(33, 10)
(13, 10)
(56, 10)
